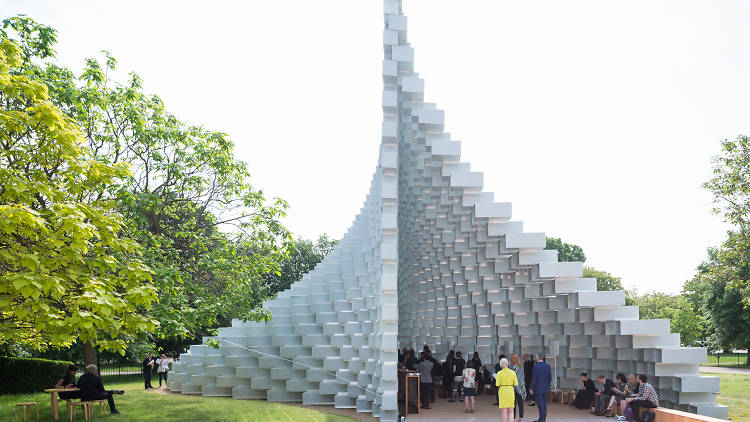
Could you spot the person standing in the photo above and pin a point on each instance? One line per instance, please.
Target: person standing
(540, 382)
(92, 389)
(459, 363)
(506, 381)
(448, 370)
(515, 366)
(163, 368)
(528, 370)
(148, 366)
(425, 380)
(646, 398)
(469, 378)
(476, 363)
(435, 370)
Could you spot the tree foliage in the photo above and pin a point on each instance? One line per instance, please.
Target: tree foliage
(566, 252)
(66, 271)
(684, 319)
(604, 280)
(209, 236)
(305, 255)
(721, 288)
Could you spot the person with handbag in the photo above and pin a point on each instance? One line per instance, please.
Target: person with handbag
(163, 368)
(520, 389)
(646, 398)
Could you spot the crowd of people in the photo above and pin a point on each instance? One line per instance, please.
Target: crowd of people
(510, 381)
(622, 398)
(515, 383)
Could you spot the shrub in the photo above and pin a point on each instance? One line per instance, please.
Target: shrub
(30, 375)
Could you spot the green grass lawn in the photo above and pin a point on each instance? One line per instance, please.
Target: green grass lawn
(140, 405)
(735, 393)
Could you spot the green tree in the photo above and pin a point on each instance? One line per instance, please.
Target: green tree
(209, 236)
(715, 291)
(304, 256)
(604, 280)
(566, 252)
(684, 319)
(66, 271)
(723, 280)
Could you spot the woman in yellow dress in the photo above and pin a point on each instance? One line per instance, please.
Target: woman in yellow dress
(506, 380)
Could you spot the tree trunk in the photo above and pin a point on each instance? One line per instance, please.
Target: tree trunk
(89, 354)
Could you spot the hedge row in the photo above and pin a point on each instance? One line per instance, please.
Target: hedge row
(30, 375)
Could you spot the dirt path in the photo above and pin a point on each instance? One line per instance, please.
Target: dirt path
(724, 370)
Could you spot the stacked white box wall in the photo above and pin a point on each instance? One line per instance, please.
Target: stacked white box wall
(431, 259)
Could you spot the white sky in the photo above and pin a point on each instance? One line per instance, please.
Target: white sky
(597, 119)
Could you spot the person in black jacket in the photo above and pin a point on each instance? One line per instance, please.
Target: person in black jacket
(92, 388)
(476, 363)
(528, 372)
(585, 394)
(148, 366)
(68, 380)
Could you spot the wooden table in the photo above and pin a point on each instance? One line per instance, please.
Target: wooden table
(54, 399)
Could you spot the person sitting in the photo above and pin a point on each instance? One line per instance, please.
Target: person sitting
(92, 389)
(68, 380)
(585, 395)
(601, 398)
(646, 397)
(633, 388)
(619, 393)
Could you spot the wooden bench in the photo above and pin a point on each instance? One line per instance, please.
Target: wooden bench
(670, 415)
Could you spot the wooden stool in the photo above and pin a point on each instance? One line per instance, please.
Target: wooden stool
(26, 405)
(85, 407)
(101, 407)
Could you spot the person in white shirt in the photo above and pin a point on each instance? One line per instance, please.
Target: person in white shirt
(163, 367)
(470, 386)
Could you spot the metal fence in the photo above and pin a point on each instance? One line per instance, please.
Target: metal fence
(727, 359)
(115, 368)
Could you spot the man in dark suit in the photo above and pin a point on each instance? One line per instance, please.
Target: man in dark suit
(540, 382)
(148, 366)
(92, 389)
